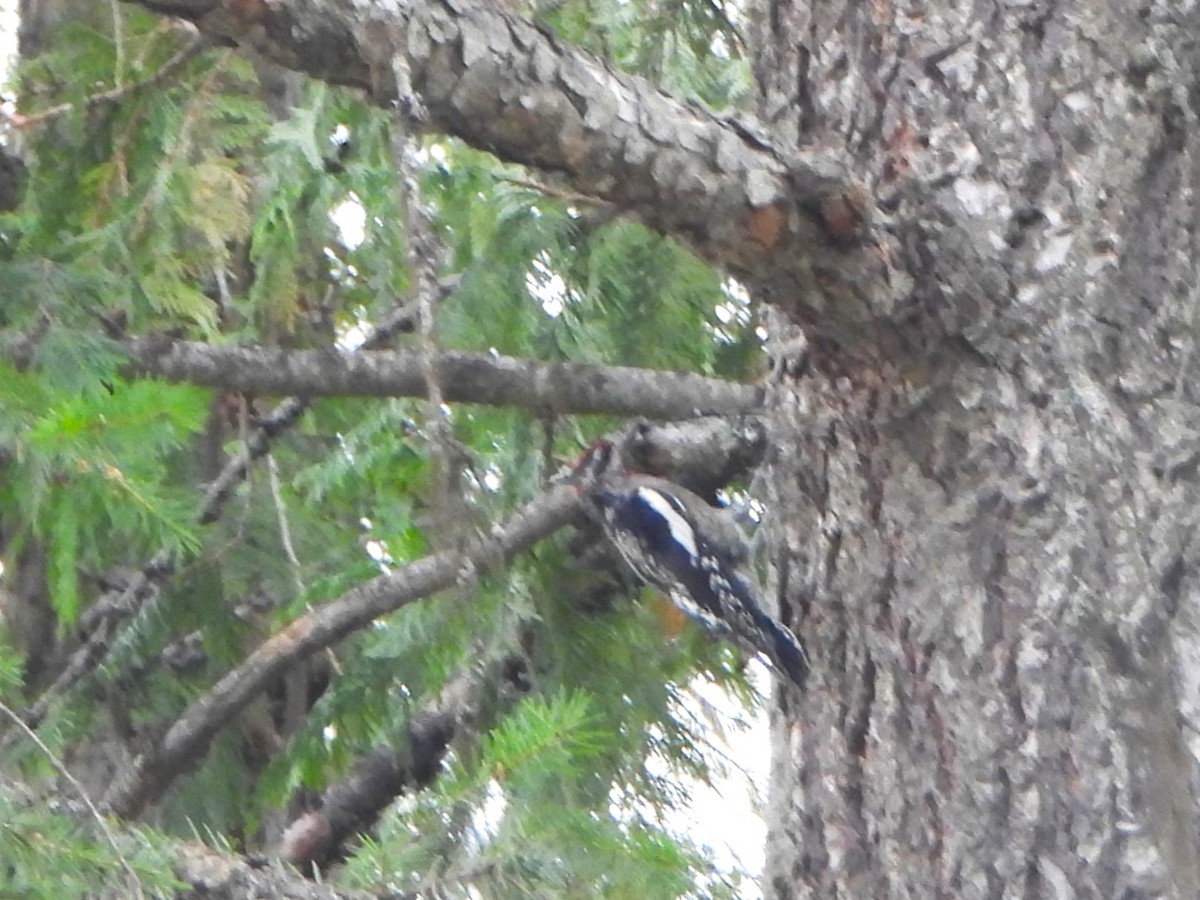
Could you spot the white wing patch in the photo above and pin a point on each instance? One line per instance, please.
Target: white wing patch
(681, 531)
(698, 612)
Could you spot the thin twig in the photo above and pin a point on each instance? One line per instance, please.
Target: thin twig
(79, 789)
(193, 49)
(118, 44)
(295, 680)
(424, 255)
(558, 193)
(285, 533)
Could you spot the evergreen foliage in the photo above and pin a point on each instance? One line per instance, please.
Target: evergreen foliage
(189, 209)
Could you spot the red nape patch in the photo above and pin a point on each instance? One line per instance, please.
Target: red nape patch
(597, 455)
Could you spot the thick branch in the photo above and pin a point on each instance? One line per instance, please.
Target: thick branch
(466, 377)
(214, 875)
(469, 69)
(188, 739)
(352, 804)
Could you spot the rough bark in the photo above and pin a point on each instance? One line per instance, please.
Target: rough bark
(545, 388)
(352, 805)
(996, 571)
(983, 483)
(788, 219)
(212, 875)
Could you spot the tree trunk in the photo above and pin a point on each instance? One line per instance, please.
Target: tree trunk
(982, 481)
(986, 529)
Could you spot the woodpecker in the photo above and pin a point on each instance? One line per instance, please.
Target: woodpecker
(675, 541)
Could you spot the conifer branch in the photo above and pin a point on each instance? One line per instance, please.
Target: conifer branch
(118, 606)
(132, 881)
(546, 388)
(187, 740)
(352, 804)
(182, 57)
(704, 453)
(463, 67)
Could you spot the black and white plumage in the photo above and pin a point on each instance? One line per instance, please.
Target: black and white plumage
(675, 541)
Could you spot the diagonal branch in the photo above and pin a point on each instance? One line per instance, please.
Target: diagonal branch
(186, 54)
(117, 606)
(466, 377)
(412, 761)
(132, 880)
(469, 69)
(706, 454)
(188, 738)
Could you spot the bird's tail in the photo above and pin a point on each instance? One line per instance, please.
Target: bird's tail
(784, 650)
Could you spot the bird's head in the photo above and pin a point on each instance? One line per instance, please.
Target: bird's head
(595, 465)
